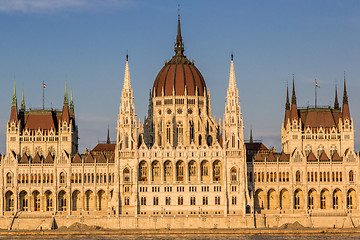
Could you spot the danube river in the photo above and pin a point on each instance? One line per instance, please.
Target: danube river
(326, 236)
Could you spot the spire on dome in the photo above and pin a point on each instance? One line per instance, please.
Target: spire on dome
(179, 45)
(336, 102)
(345, 108)
(22, 106)
(127, 84)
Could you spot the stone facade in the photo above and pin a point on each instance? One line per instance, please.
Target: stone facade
(180, 163)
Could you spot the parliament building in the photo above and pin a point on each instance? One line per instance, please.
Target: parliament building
(180, 162)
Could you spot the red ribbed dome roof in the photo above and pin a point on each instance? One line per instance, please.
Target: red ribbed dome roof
(179, 73)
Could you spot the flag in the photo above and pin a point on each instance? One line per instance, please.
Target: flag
(317, 85)
(44, 85)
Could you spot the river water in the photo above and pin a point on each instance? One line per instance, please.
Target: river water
(198, 237)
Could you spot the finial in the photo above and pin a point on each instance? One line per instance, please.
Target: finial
(127, 55)
(178, 11)
(232, 56)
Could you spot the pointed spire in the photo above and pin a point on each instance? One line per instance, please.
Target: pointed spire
(71, 101)
(293, 97)
(66, 100)
(14, 112)
(108, 137)
(336, 102)
(232, 79)
(287, 106)
(179, 46)
(294, 113)
(345, 108)
(22, 107)
(345, 97)
(127, 84)
(251, 136)
(14, 99)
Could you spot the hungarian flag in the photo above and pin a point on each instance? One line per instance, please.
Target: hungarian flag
(317, 85)
(44, 85)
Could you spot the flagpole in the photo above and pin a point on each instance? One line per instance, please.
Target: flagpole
(315, 95)
(43, 95)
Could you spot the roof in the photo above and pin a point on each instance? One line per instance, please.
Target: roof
(49, 159)
(177, 74)
(256, 146)
(44, 120)
(104, 147)
(320, 117)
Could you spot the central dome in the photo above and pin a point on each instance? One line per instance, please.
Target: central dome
(179, 74)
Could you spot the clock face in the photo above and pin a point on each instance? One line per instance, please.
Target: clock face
(190, 111)
(169, 111)
(159, 112)
(179, 111)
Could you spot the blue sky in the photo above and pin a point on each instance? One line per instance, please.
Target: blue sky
(85, 42)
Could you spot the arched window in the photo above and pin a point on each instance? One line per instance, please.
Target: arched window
(168, 132)
(351, 176)
(159, 133)
(143, 171)
(233, 141)
(200, 138)
(233, 174)
(298, 178)
(156, 169)
(168, 169)
(8, 178)
(179, 132)
(126, 141)
(192, 135)
(62, 177)
(217, 171)
(126, 175)
(192, 169)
